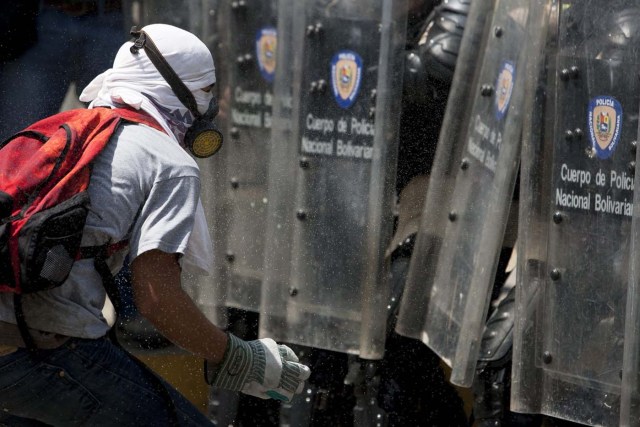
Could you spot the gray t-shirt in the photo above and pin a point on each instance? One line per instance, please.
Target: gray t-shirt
(143, 176)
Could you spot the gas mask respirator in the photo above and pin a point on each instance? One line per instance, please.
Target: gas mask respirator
(203, 139)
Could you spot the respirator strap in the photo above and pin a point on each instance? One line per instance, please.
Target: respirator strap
(179, 88)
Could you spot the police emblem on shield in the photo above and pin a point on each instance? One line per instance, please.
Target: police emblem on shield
(346, 71)
(266, 44)
(605, 125)
(504, 88)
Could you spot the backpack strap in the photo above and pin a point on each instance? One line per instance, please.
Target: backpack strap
(138, 116)
(108, 250)
(22, 323)
(100, 254)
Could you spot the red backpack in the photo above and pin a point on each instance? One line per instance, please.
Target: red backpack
(44, 175)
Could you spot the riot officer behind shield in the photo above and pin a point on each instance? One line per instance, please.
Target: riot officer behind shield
(618, 48)
(413, 388)
(493, 376)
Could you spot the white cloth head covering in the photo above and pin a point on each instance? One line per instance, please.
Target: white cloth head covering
(134, 81)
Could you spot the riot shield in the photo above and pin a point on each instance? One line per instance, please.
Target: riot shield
(630, 388)
(453, 265)
(630, 392)
(578, 164)
(247, 95)
(331, 182)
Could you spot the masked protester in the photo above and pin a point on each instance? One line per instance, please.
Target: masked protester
(59, 365)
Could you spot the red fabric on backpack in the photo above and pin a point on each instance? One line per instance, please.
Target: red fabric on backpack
(46, 168)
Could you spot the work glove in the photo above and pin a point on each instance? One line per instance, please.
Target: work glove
(260, 368)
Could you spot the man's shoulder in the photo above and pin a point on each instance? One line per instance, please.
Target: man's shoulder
(153, 146)
(142, 133)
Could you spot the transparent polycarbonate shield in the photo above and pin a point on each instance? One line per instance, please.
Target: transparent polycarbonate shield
(333, 186)
(246, 99)
(630, 388)
(454, 262)
(578, 170)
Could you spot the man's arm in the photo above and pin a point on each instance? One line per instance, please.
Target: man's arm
(160, 298)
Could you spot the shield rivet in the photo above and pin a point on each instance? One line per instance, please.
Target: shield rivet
(557, 217)
(234, 132)
(310, 31)
(372, 112)
(293, 292)
(304, 163)
(244, 61)
(498, 31)
(240, 4)
(314, 30)
(453, 216)
(464, 164)
(234, 183)
(578, 133)
(313, 87)
(632, 167)
(568, 135)
(301, 215)
(555, 274)
(374, 93)
(634, 146)
(322, 85)
(486, 90)
(564, 74)
(575, 72)
(230, 257)
(547, 358)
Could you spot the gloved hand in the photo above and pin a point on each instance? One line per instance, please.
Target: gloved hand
(261, 368)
